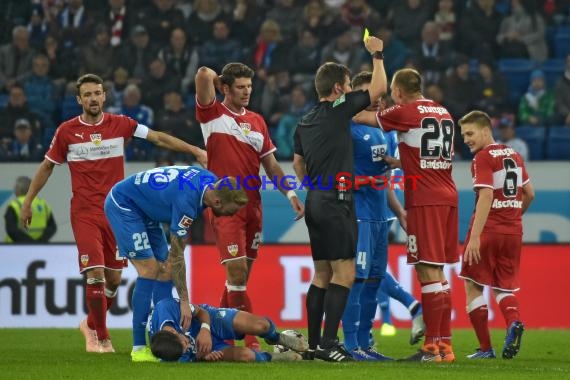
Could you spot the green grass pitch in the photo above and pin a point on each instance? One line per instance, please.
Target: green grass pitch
(59, 354)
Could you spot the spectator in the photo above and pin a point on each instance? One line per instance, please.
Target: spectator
(445, 19)
(408, 17)
(522, 34)
(177, 120)
(201, 21)
(137, 55)
(433, 56)
(247, 17)
(305, 58)
(75, 24)
(270, 51)
(24, 147)
(562, 95)
(492, 90)
(69, 106)
(158, 83)
(37, 27)
(114, 89)
(507, 136)
(15, 58)
(343, 50)
(181, 61)
(160, 19)
(357, 14)
(478, 29)
(220, 49)
(42, 227)
(119, 20)
(63, 63)
(321, 20)
(395, 52)
(300, 105)
(287, 15)
(537, 106)
(459, 88)
(97, 56)
(17, 109)
(138, 149)
(42, 93)
(276, 97)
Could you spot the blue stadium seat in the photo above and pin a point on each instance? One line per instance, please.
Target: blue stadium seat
(558, 143)
(553, 70)
(4, 100)
(535, 138)
(561, 44)
(516, 72)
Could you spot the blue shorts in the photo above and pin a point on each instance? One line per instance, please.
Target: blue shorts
(137, 236)
(222, 326)
(372, 249)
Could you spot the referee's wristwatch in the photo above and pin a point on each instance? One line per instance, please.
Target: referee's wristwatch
(378, 54)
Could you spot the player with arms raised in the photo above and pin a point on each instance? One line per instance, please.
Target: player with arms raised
(237, 142)
(493, 244)
(93, 145)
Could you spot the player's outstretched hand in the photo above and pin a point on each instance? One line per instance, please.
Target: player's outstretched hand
(204, 342)
(472, 254)
(373, 44)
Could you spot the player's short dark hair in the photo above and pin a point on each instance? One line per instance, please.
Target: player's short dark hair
(409, 81)
(477, 117)
(88, 78)
(329, 74)
(228, 191)
(235, 70)
(166, 346)
(363, 77)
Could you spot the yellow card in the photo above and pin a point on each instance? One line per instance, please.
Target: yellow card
(366, 34)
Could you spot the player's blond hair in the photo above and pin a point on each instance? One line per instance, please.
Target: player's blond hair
(479, 118)
(228, 190)
(409, 81)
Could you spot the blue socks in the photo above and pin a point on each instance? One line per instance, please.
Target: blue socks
(271, 335)
(161, 290)
(368, 306)
(142, 296)
(351, 316)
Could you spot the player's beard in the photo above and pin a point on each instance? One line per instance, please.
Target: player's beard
(89, 110)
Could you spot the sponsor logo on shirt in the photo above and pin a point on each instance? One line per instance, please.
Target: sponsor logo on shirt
(511, 203)
(233, 249)
(96, 138)
(433, 164)
(431, 109)
(185, 222)
(378, 151)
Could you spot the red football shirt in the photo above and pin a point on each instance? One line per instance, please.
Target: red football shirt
(426, 149)
(500, 168)
(235, 143)
(94, 153)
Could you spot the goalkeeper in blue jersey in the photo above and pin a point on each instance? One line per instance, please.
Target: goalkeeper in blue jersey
(210, 326)
(373, 217)
(136, 207)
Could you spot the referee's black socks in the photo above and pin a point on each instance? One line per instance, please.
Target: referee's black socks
(315, 309)
(334, 304)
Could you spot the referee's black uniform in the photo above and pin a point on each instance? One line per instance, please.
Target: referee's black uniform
(324, 140)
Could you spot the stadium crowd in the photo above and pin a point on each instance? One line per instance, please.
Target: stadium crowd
(148, 52)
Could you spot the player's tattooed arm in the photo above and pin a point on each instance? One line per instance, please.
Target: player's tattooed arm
(177, 245)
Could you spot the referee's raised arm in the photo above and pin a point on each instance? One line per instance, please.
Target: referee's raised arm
(379, 83)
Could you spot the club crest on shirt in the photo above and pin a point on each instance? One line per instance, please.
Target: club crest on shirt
(96, 138)
(233, 249)
(245, 127)
(185, 222)
(84, 260)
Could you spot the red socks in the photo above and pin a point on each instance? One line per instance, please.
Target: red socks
(432, 304)
(479, 316)
(509, 307)
(97, 307)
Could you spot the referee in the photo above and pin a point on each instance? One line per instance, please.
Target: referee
(323, 152)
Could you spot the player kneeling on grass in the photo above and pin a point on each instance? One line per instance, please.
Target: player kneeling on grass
(210, 326)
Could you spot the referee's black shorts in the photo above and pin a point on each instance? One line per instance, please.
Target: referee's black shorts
(332, 226)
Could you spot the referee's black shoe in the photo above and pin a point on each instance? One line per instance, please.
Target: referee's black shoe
(335, 353)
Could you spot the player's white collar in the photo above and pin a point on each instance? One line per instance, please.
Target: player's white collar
(86, 123)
